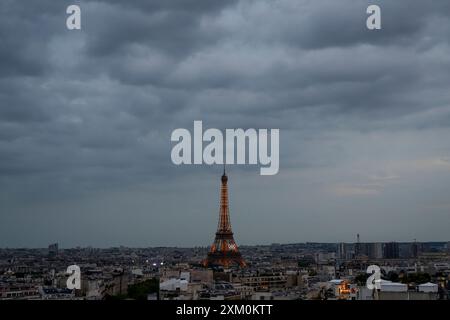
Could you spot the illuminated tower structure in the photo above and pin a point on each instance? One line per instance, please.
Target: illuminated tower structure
(224, 251)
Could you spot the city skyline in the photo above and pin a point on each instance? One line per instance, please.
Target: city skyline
(46, 247)
(86, 117)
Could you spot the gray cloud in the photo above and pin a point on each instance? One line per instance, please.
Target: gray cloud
(86, 117)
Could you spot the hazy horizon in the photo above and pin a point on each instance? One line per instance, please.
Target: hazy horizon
(206, 246)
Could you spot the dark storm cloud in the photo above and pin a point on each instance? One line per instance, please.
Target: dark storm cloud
(87, 114)
(24, 32)
(308, 55)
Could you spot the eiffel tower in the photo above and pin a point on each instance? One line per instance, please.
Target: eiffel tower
(224, 251)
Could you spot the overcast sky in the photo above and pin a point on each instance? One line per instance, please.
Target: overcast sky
(86, 118)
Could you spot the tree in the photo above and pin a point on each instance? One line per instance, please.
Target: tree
(361, 279)
(138, 291)
(417, 278)
(392, 276)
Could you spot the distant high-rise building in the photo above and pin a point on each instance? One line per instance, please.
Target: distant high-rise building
(53, 250)
(342, 251)
(357, 246)
(375, 250)
(345, 251)
(391, 250)
(224, 251)
(415, 249)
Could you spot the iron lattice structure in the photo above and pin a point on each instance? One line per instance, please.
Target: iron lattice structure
(224, 251)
